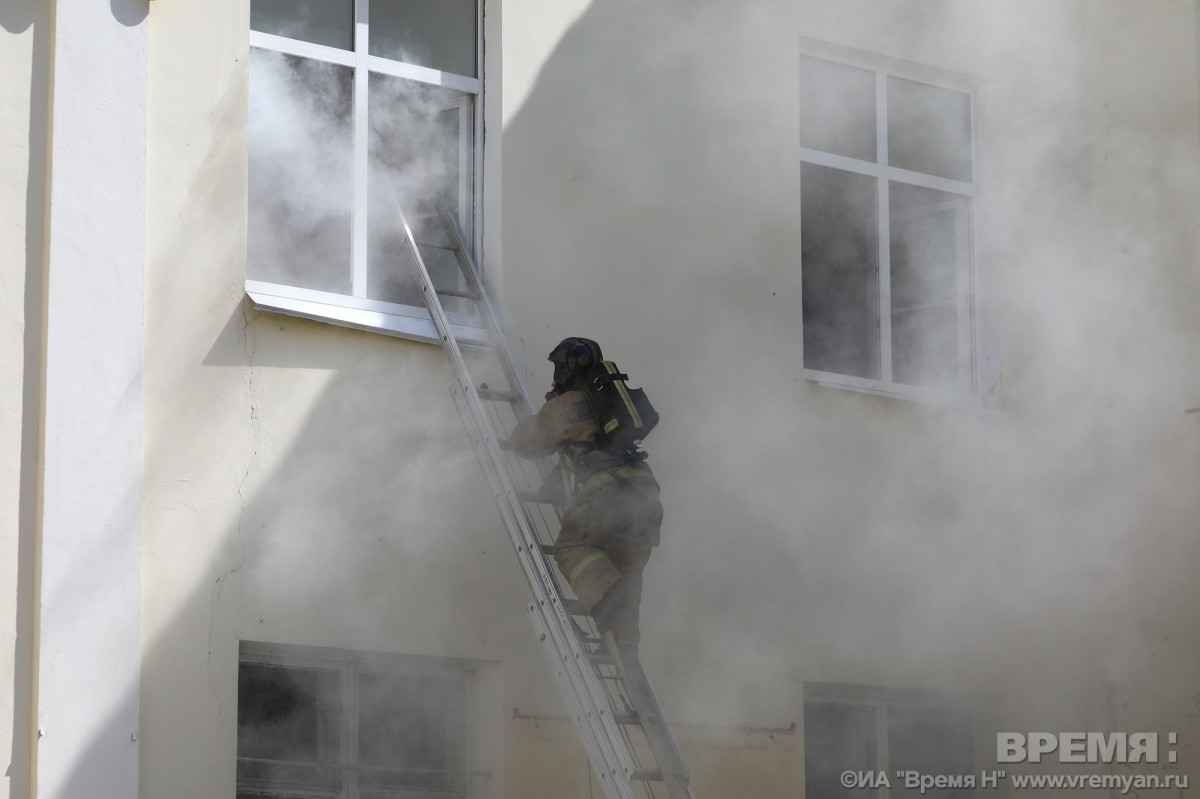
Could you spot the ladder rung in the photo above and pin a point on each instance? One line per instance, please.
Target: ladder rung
(628, 719)
(466, 295)
(437, 245)
(602, 658)
(646, 775)
(540, 499)
(476, 346)
(547, 549)
(498, 396)
(574, 607)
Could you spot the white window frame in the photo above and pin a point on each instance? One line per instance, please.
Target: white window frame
(982, 708)
(349, 664)
(972, 379)
(356, 310)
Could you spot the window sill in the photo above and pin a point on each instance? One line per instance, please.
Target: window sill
(964, 400)
(372, 316)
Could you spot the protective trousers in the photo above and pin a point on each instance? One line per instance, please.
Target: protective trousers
(606, 538)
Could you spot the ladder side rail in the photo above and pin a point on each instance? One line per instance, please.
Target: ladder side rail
(596, 727)
(600, 735)
(659, 736)
(467, 267)
(670, 761)
(577, 666)
(569, 657)
(541, 582)
(491, 324)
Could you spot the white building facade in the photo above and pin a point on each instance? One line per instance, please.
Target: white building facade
(912, 285)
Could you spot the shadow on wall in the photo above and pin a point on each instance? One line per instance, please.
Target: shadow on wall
(16, 17)
(129, 12)
(19, 15)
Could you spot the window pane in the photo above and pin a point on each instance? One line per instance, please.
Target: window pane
(300, 192)
(929, 129)
(439, 34)
(837, 108)
(420, 148)
(839, 264)
(838, 737)
(927, 248)
(289, 721)
(411, 732)
(327, 22)
(931, 741)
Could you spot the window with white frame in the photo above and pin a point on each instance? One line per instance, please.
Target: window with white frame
(316, 722)
(868, 730)
(887, 186)
(357, 106)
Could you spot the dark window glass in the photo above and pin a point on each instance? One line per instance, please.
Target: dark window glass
(838, 737)
(439, 34)
(327, 22)
(837, 108)
(411, 732)
(929, 129)
(420, 149)
(289, 725)
(928, 234)
(931, 741)
(300, 191)
(840, 271)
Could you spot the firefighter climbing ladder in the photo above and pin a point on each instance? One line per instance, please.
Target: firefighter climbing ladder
(609, 700)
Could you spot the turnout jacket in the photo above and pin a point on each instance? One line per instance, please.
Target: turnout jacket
(567, 425)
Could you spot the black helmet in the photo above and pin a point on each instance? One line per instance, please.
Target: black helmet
(572, 358)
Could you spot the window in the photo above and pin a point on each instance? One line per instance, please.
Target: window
(887, 185)
(357, 106)
(329, 723)
(870, 730)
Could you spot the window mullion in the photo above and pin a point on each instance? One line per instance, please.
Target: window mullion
(466, 172)
(881, 744)
(884, 226)
(350, 721)
(966, 292)
(359, 215)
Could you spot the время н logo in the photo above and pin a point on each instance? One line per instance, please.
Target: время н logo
(1081, 747)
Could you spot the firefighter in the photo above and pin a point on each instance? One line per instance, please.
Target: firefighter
(612, 520)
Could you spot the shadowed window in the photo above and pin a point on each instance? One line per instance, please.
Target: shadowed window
(875, 732)
(331, 723)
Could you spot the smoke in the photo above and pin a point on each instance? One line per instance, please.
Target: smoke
(301, 151)
(1037, 548)
(815, 534)
(301, 198)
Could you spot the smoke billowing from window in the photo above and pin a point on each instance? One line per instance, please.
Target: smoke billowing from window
(301, 171)
(420, 146)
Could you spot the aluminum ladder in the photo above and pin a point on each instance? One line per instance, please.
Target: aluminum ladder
(608, 699)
